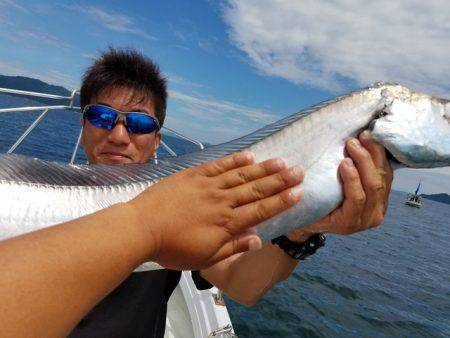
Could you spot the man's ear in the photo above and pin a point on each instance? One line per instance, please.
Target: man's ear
(157, 140)
(158, 136)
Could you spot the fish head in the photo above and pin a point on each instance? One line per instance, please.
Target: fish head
(414, 128)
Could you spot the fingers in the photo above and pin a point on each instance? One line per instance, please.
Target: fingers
(372, 183)
(249, 173)
(354, 195)
(363, 160)
(254, 213)
(266, 186)
(221, 165)
(380, 160)
(376, 150)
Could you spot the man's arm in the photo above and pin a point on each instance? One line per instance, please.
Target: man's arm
(52, 277)
(248, 276)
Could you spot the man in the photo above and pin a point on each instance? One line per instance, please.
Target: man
(128, 82)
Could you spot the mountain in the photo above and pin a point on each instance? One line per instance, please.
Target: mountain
(35, 85)
(443, 198)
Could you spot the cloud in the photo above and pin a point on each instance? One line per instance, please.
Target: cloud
(39, 38)
(13, 4)
(213, 120)
(89, 56)
(113, 21)
(51, 76)
(179, 80)
(215, 106)
(329, 43)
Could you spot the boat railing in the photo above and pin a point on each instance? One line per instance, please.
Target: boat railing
(69, 106)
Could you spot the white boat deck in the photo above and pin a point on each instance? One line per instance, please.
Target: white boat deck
(194, 313)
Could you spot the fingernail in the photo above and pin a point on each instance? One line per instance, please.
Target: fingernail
(366, 134)
(356, 143)
(296, 192)
(254, 244)
(281, 163)
(297, 171)
(348, 162)
(249, 155)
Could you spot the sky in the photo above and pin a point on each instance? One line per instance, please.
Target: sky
(234, 66)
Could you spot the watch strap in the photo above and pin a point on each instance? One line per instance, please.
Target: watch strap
(300, 250)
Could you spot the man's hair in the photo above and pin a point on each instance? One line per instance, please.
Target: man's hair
(125, 68)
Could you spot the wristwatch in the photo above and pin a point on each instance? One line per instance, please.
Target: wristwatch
(300, 250)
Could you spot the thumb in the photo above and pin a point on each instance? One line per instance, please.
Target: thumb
(240, 243)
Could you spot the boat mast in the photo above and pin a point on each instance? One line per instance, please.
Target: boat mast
(418, 187)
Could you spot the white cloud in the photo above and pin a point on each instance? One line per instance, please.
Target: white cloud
(202, 131)
(113, 21)
(211, 119)
(179, 80)
(51, 76)
(216, 106)
(321, 43)
(13, 4)
(39, 37)
(91, 57)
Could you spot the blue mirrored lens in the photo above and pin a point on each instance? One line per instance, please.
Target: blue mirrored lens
(106, 117)
(140, 123)
(101, 116)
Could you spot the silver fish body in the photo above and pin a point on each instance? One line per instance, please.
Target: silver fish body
(414, 128)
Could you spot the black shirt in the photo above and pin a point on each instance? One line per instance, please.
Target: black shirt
(136, 308)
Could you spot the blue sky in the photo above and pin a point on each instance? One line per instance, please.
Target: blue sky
(208, 76)
(234, 66)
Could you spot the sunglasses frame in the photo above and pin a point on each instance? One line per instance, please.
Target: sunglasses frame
(123, 115)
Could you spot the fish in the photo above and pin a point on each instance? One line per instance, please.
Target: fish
(413, 127)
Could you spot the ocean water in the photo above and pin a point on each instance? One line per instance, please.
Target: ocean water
(392, 281)
(58, 130)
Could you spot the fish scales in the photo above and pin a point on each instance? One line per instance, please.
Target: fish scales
(414, 127)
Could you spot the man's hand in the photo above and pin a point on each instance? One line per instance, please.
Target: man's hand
(208, 213)
(367, 178)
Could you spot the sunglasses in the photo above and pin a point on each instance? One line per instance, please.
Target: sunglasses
(107, 117)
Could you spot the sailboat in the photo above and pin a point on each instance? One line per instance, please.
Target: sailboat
(414, 200)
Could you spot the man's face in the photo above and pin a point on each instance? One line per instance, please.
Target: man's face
(117, 145)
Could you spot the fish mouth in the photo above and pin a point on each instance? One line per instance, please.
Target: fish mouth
(378, 115)
(392, 158)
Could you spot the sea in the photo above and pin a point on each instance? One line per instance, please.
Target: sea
(391, 281)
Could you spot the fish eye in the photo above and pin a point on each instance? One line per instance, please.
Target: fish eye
(382, 113)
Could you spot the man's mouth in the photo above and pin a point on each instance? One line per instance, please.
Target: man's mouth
(116, 156)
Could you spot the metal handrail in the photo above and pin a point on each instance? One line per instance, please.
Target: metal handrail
(169, 150)
(201, 146)
(75, 149)
(29, 129)
(28, 93)
(70, 106)
(10, 110)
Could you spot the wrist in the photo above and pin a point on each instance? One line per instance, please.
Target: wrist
(299, 235)
(143, 236)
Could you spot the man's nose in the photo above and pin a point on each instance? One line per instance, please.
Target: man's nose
(119, 134)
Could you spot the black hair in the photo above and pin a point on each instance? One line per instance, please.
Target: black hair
(126, 68)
